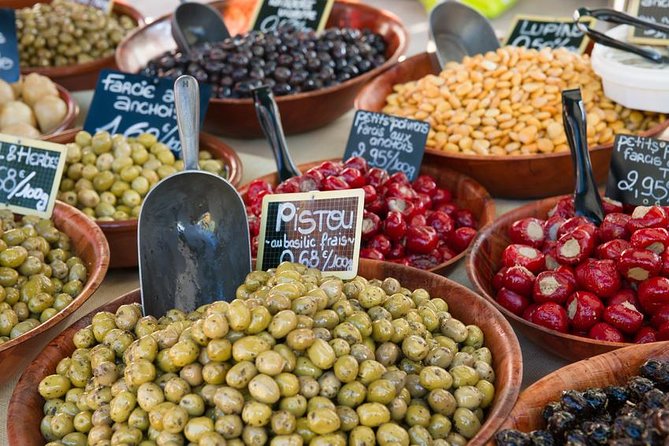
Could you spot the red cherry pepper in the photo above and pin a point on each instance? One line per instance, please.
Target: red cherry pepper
(418, 220)
(584, 310)
(614, 226)
(376, 177)
(330, 168)
(653, 294)
(256, 206)
(599, 277)
(446, 253)
(513, 302)
(397, 251)
(610, 206)
(612, 249)
(605, 332)
(530, 258)
(442, 223)
(552, 316)
(358, 163)
(399, 177)
(519, 280)
(575, 246)
(448, 209)
(399, 190)
(381, 243)
(425, 261)
(637, 265)
(625, 295)
(574, 223)
(498, 278)
(394, 226)
(663, 332)
(442, 196)
(665, 263)
(335, 183)
(371, 253)
(254, 246)
(460, 239)
(464, 218)
(425, 184)
(528, 231)
(315, 174)
(529, 311)
(378, 206)
(421, 239)
(254, 188)
(660, 317)
(647, 217)
(563, 208)
(568, 272)
(652, 239)
(551, 227)
(254, 225)
(625, 317)
(645, 335)
(353, 177)
(423, 202)
(401, 205)
(371, 225)
(309, 183)
(548, 250)
(551, 286)
(370, 193)
(290, 186)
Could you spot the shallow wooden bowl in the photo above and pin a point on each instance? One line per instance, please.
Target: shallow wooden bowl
(467, 194)
(122, 235)
(26, 403)
(90, 245)
(485, 260)
(81, 76)
(299, 112)
(609, 369)
(523, 176)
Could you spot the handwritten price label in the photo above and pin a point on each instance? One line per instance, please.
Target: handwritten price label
(30, 173)
(548, 32)
(302, 14)
(9, 47)
(656, 11)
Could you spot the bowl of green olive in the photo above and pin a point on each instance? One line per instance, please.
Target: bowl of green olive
(107, 177)
(48, 269)
(70, 42)
(395, 355)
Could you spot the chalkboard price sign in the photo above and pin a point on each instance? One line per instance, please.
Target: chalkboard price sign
(389, 142)
(9, 47)
(317, 229)
(131, 104)
(656, 11)
(30, 173)
(540, 32)
(639, 172)
(104, 5)
(302, 14)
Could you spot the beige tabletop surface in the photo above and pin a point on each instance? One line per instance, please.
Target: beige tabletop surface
(327, 142)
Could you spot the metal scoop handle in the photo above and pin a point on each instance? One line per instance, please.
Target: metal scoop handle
(270, 122)
(187, 101)
(587, 201)
(617, 17)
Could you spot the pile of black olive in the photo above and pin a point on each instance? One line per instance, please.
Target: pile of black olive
(287, 60)
(630, 415)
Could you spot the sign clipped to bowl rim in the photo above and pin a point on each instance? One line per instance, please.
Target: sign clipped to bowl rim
(10, 71)
(537, 32)
(303, 14)
(30, 173)
(317, 229)
(653, 11)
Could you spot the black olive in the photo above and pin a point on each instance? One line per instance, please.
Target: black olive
(657, 371)
(550, 409)
(575, 437)
(617, 396)
(638, 386)
(542, 438)
(597, 433)
(661, 421)
(575, 403)
(628, 427)
(512, 437)
(654, 399)
(596, 399)
(560, 422)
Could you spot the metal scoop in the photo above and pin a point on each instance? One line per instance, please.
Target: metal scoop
(459, 31)
(197, 23)
(193, 232)
(587, 201)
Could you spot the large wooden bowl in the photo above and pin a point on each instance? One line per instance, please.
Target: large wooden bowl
(26, 403)
(523, 176)
(299, 112)
(81, 76)
(485, 260)
(467, 194)
(122, 234)
(90, 245)
(610, 369)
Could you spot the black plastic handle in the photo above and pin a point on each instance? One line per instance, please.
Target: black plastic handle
(610, 15)
(270, 122)
(587, 201)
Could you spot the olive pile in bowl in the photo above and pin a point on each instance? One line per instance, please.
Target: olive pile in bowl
(287, 60)
(39, 274)
(297, 358)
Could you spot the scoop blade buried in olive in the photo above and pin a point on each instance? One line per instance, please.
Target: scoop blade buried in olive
(459, 31)
(196, 23)
(193, 232)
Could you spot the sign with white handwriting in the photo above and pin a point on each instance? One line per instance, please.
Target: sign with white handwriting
(30, 173)
(317, 229)
(103, 5)
(9, 47)
(656, 11)
(132, 104)
(302, 14)
(539, 32)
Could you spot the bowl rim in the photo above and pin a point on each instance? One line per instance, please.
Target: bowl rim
(71, 114)
(506, 394)
(478, 282)
(403, 37)
(488, 212)
(118, 7)
(96, 274)
(654, 131)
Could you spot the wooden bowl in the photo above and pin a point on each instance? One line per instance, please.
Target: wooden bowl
(521, 177)
(299, 112)
(485, 260)
(122, 234)
(82, 76)
(26, 403)
(610, 369)
(90, 245)
(467, 194)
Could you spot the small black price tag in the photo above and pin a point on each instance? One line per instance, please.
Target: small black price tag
(30, 173)
(389, 142)
(103, 5)
(10, 69)
(639, 172)
(539, 32)
(131, 104)
(302, 14)
(656, 11)
(317, 229)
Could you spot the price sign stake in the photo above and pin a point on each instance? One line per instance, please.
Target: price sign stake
(317, 229)
(131, 104)
(302, 14)
(388, 142)
(9, 47)
(30, 173)
(656, 11)
(639, 172)
(540, 32)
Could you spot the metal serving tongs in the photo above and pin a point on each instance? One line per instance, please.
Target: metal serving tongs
(620, 18)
